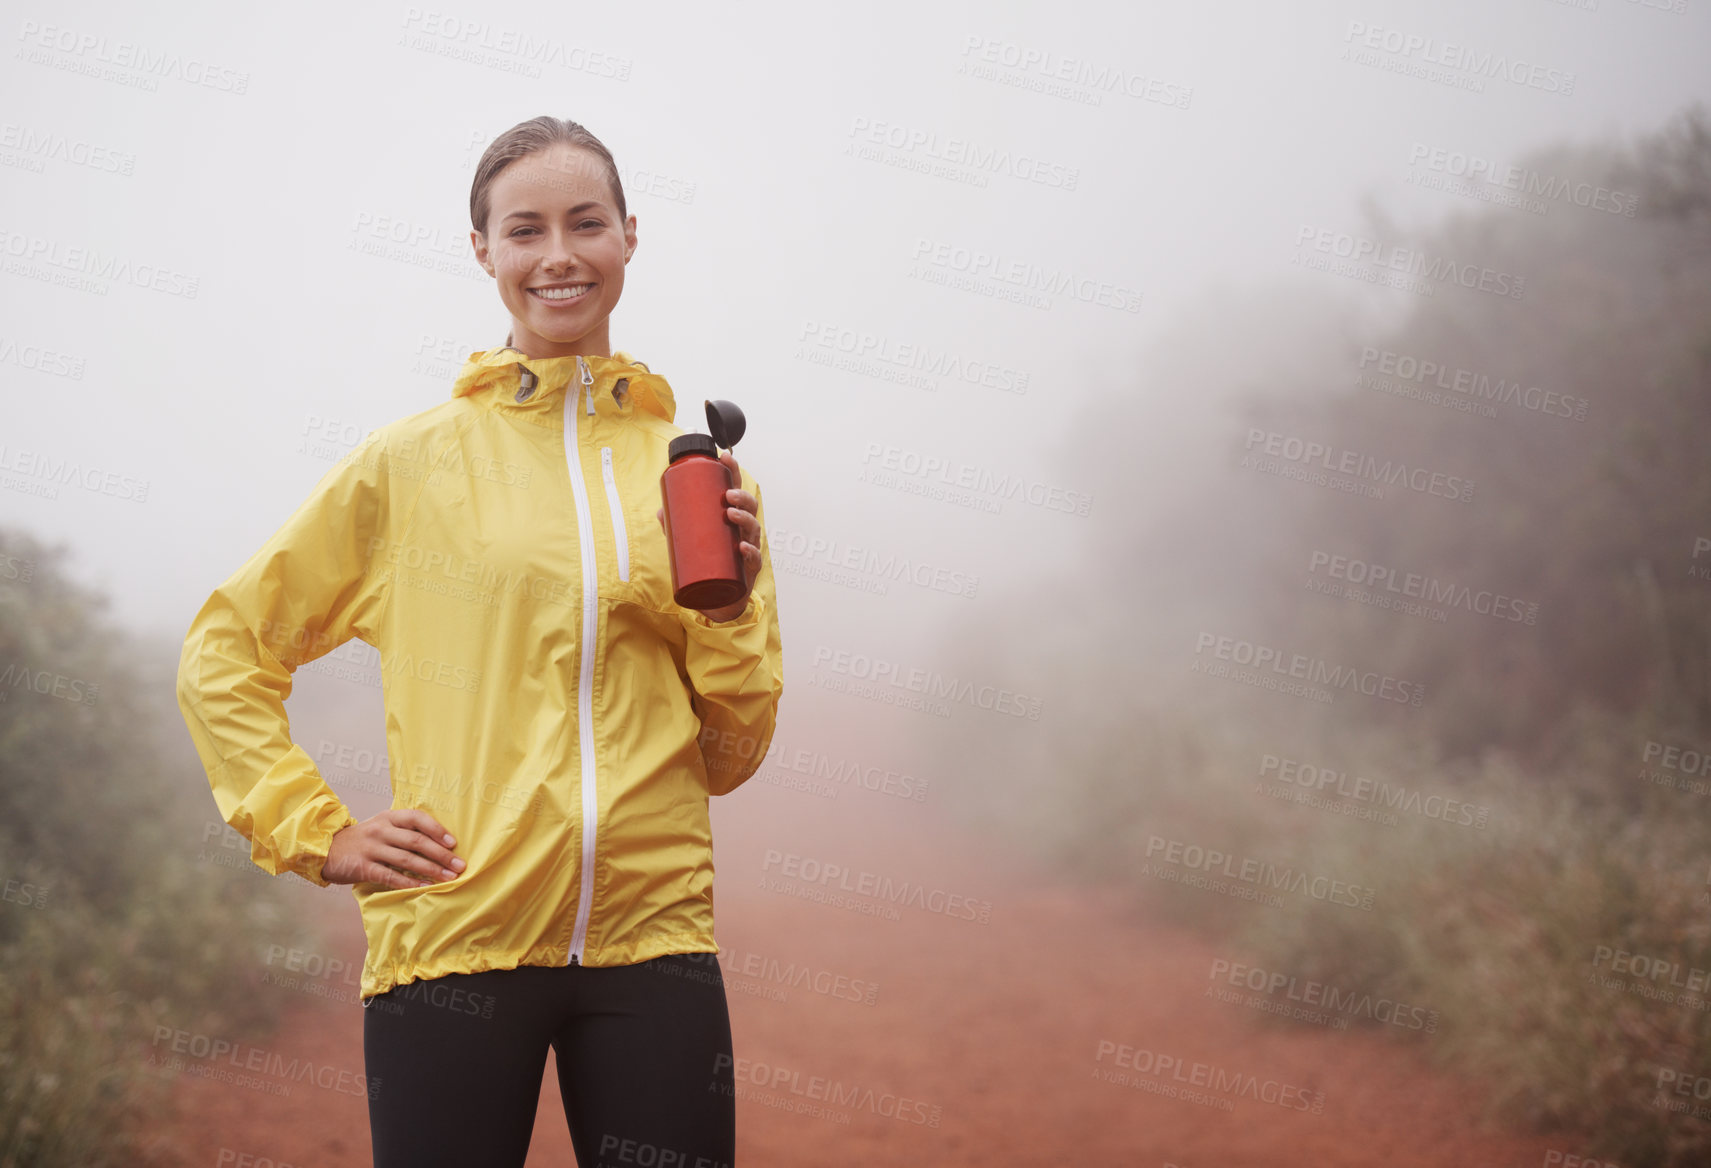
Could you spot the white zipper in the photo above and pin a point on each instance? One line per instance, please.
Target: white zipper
(585, 687)
(617, 513)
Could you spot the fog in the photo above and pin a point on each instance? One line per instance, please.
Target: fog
(758, 226)
(1005, 291)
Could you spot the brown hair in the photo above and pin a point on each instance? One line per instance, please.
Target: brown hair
(526, 138)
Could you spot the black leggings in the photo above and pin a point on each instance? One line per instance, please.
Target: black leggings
(455, 1065)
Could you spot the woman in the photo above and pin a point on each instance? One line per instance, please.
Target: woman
(555, 722)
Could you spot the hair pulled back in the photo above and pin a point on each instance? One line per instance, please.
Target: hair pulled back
(525, 138)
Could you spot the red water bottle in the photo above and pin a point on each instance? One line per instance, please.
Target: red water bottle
(703, 542)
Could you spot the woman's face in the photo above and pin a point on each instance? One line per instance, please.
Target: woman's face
(553, 227)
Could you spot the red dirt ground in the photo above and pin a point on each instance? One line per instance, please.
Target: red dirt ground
(997, 1026)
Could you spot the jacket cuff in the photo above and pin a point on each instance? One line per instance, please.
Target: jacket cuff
(751, 616)
(293, 818)
(309, 867)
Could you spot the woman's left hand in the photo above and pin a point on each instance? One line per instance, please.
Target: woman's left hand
(740, 509)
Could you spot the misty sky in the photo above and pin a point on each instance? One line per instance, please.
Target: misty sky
(321, 217)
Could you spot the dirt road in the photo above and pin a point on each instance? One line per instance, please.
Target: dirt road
(984, 1044)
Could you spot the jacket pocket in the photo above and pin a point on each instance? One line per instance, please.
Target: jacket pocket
(620, 533)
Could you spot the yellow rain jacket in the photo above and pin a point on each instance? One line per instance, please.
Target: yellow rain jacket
(546, 698)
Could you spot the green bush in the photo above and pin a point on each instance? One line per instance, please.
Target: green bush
(111, 925)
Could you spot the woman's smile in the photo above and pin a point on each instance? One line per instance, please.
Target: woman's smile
(559, 295)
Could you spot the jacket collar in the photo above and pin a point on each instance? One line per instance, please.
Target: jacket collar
(493, 375)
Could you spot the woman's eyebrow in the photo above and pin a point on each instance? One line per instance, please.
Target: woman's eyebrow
(576, 210)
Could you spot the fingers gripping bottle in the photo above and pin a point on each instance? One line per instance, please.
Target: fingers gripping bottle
(703, 542)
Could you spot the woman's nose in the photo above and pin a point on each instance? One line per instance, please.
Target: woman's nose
(561, 254)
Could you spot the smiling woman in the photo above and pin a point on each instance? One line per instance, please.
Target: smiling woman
(556, 721)
(549, 225)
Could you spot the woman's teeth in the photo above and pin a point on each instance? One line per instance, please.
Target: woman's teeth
(571, 293)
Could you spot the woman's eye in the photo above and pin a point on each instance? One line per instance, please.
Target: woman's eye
(533, 230)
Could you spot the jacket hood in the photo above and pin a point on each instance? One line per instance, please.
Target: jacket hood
(489, 367)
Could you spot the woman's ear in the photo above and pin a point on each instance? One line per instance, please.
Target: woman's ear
(478, 244)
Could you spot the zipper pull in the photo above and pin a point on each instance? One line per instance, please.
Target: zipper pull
(588, 380)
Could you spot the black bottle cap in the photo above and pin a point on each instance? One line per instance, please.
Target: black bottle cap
(725, 422)
(691, 444)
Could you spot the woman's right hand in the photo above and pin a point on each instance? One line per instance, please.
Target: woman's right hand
(403, 847)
